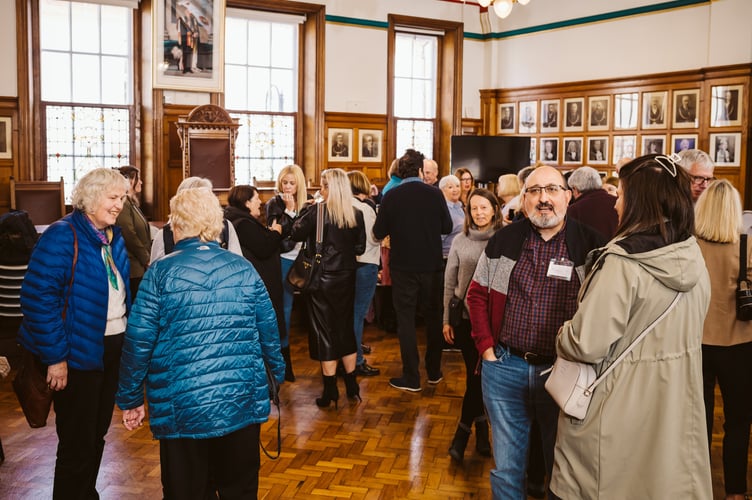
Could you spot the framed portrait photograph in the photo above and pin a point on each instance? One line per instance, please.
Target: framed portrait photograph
(725, 149)
(685, 108)
(528, 117)
(573, 121)
(572, 150)
(370, 145)
(6, 139)
(626, 109)
(340, 144)
(597, 150)
(726, 103)
(549, 115)
(625, 146)
(654, 109)
(598, 112)
(653, 144)
(549, 150)
(533, 153)
(506, 117)
(683, 142)
(188, 44)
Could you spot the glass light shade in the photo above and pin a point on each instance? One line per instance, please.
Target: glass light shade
(503, 8)
(523, 2)
(484, 3)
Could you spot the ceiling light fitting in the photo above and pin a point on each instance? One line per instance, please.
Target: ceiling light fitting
(502, 8)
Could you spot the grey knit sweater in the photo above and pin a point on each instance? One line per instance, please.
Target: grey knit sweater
(463, 256)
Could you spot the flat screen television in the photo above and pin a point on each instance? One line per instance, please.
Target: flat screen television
(488, 157)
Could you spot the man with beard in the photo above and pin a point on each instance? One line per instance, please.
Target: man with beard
(524, 288)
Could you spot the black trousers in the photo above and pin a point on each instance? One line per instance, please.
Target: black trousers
(730, 366)
(201, 468)
(472, 402)
(83, 411)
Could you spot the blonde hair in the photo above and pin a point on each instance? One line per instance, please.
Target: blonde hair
(196, 212)
(301, 195)
(339, 201)
(194, 183)
(359, 182)
(93, 185)
(509, 185)
(718, 213)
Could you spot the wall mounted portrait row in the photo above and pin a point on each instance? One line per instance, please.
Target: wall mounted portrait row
(623, 111)
(369, 144)
(725, 149)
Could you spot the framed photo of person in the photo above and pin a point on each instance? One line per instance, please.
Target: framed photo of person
(340, 144)
(549, 114)
(598, 112)
(683, 142)
(685, 108)
(573, 120)
(528, 117)
(598, 150)
(533, 153)
(624, 147)
(549, 150)
(654, 109)
(188, 44)
(726, 103)
(653, 144)
(370, 145)
(572, 150)
(725, 149)
(506, 117)
(6, 139)
(626, 109)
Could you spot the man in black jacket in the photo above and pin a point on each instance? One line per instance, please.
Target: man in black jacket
(414, 215)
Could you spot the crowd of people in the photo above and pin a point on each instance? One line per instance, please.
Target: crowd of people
(550, 265)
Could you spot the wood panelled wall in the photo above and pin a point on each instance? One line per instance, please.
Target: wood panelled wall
(703, 81)
(9, 166)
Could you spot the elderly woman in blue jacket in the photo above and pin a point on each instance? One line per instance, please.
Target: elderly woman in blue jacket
(201, 328)
(75, 299)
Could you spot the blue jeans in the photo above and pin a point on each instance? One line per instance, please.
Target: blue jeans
(287, 299)
(514, 394)
(365, 286)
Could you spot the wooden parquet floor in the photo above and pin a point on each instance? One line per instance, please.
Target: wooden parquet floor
(392, 445)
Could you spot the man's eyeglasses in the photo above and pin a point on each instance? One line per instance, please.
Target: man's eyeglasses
(551, 190)
(699, 180)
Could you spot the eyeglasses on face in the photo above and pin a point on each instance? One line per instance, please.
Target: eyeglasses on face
(551, 190)
(699, 180)
(466, 179)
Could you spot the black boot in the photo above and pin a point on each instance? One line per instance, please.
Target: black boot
(459, 443)
(289, 375)
(482, 444)
(331, 393)
(352, 387)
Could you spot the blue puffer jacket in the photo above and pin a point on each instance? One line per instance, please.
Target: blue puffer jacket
(198, 334)
(80, 341)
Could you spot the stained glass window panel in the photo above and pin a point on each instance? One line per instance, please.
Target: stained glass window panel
(265, 144)
(415, 134)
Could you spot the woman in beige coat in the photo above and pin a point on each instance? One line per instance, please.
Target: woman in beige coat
(644, 433)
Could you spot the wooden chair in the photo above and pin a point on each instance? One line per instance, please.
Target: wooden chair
(44, 201)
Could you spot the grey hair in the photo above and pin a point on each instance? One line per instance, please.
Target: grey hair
(585, 179)
(91, 187)
(195, 182)
(448, 179)
(524, 173)
(691, 157)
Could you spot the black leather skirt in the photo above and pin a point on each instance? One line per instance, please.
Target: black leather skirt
(330, 312)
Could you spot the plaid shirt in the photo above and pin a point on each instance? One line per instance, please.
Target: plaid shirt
(537, 305)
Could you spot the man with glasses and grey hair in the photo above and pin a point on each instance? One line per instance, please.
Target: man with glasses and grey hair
(524, 288)
(592, 205)
(699, 166)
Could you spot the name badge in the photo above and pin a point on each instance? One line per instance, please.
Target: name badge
(560, 269)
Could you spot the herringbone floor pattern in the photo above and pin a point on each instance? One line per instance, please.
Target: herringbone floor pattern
(393, 445)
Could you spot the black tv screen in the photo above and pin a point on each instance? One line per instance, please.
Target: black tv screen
(488, 157)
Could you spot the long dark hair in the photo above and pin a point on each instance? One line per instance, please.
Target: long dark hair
(656, 198)
(238, 195)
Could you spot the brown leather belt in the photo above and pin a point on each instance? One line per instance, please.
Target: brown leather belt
(530, 357)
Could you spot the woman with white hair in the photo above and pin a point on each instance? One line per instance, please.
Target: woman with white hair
(450, 188)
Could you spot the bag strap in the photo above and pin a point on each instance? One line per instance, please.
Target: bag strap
(274, 390)
(73, 268)
(320, 223)
(742, 258)
(634, 343)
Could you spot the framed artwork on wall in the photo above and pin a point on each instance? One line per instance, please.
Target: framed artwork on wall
(549, 115)
(573, 114)
(653, 144)
(726, 103)
(188, 44)
(725, 149)
(533, 155)
(6, 144)
(371, 145)
(598, 150)
(506, 117)
(549, 150)
(572, 150)
(624, 147)
(598, 113)
(626, 109)
(683, 142)
(528, 117)
(654, 109)
(340, 144)
(685, 108)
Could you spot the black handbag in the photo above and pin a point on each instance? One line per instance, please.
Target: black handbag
(456, 307)
(743, 286)
(306, 270)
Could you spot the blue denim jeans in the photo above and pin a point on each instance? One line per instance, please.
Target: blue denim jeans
(287, 299)
(514, 394)
(365, 286)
